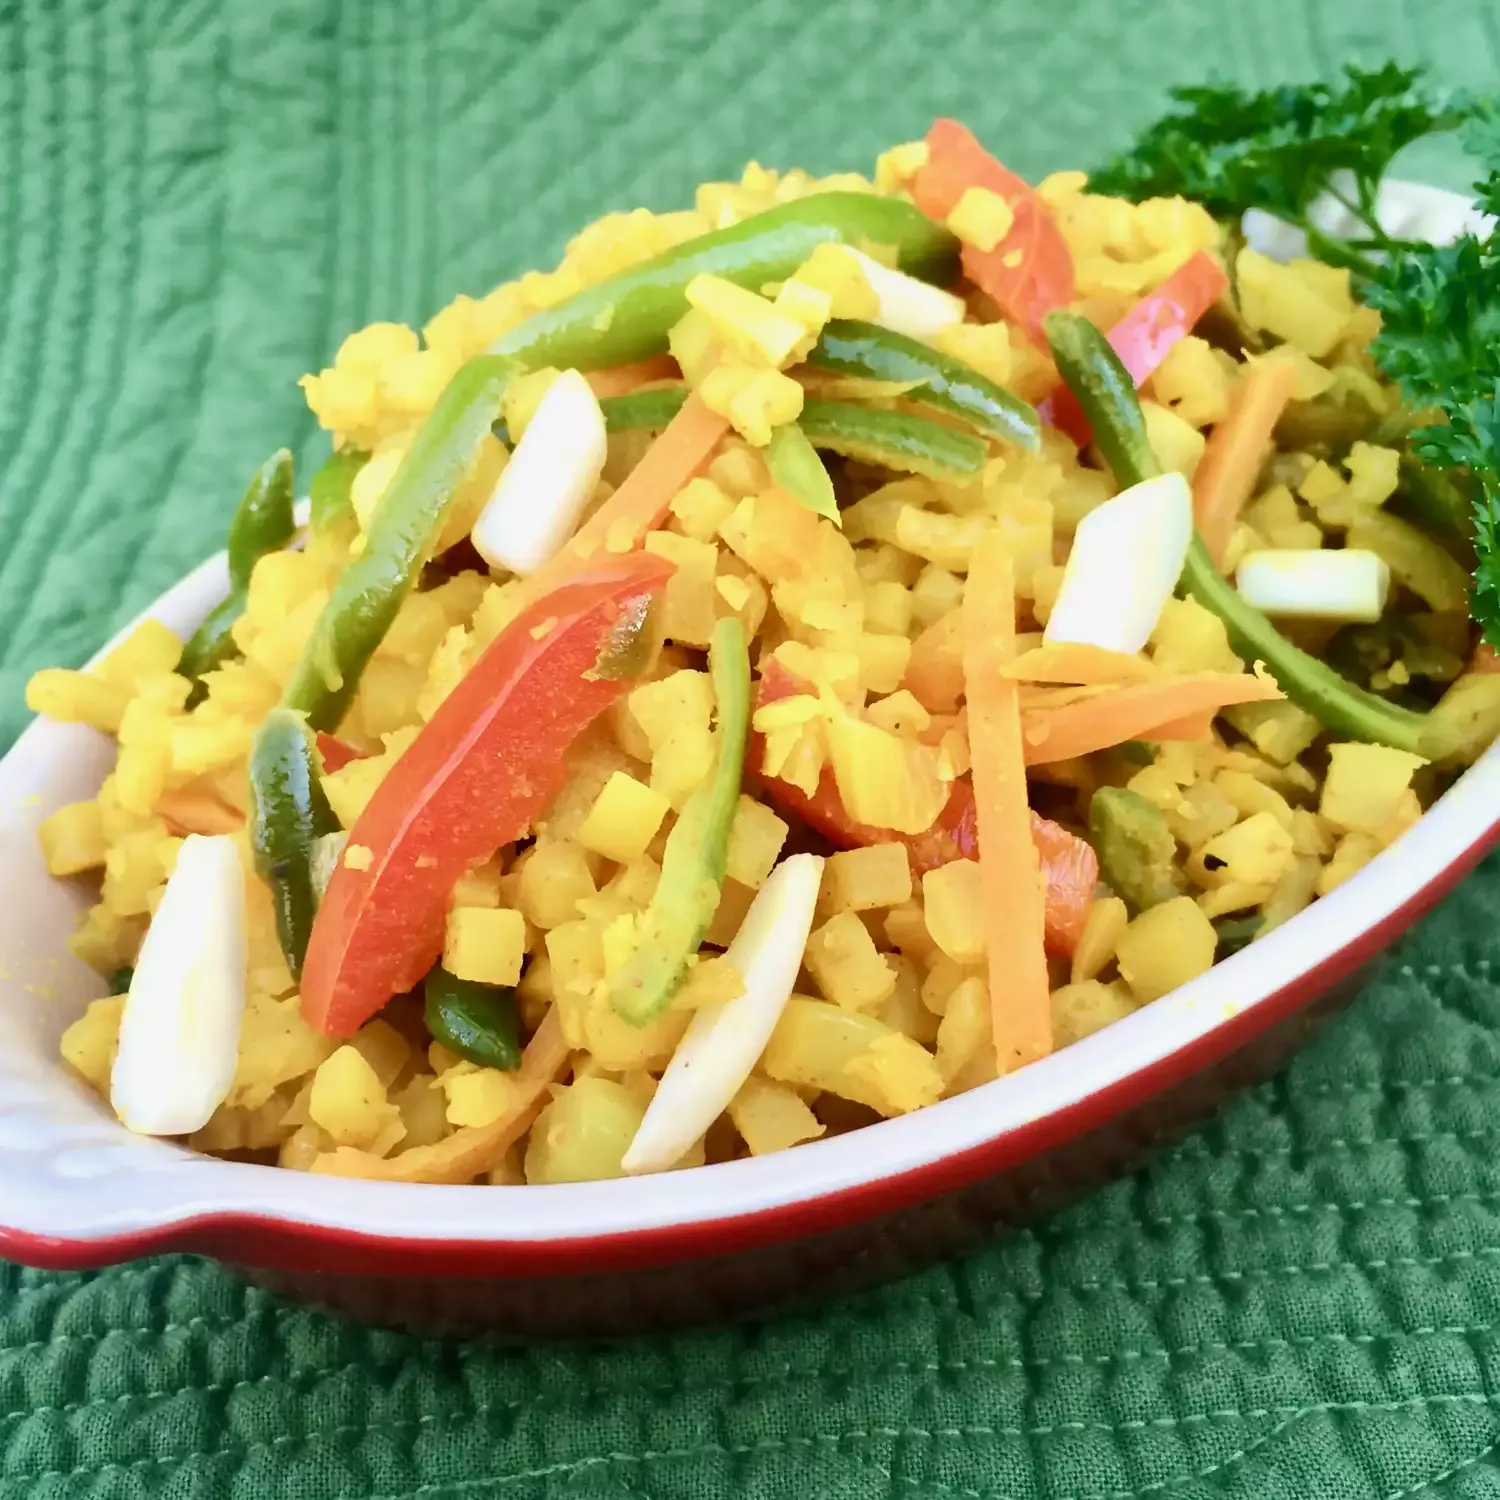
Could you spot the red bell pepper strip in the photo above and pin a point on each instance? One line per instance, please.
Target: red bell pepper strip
(1031, 270)
(1145, 335)
(1068, 862)
(483, 769)
(334, 752)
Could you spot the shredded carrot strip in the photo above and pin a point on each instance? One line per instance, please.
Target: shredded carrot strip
(1191, 727)
(621, 380)
(1135, 712)
(474, 1149)
(638, 506)
(188, 809)
(1231, 463)
(1078, 665)
(1011, 884)
(1041, 696)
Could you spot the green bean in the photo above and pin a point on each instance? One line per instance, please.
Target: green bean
(373, 586)
(869, 352)
(263, 522)
(288, 814)
(627, 317)
(893, 439)
(1093, 372)
(478, 1022)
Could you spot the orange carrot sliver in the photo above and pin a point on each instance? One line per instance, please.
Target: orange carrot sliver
(1135, 712)
(1011, 884)
(641, 502)
(474, 1149)
(1079, 666)
(1231, 463)
(621, 380)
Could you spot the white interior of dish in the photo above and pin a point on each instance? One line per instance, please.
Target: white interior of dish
(69, 1170)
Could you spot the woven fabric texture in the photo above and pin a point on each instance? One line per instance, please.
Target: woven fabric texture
(199, 197)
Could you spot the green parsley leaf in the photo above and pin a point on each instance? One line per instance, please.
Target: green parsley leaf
(1280, 148)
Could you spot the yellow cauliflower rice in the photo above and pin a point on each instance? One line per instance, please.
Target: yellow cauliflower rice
(734, 686)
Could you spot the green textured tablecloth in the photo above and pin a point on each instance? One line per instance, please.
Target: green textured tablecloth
(198, 198)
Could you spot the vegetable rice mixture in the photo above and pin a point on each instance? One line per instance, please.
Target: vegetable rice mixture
(803, 657)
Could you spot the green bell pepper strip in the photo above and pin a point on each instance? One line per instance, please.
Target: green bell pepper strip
(263, 522)
(479, 1022)
(119, 981)
(288, 814)
(693, 862)
(869, 352)
(373, 586)
(330, 502)
(797, 469)
(627, 317)
(1093, 372)
(894, 439)
(643, 410)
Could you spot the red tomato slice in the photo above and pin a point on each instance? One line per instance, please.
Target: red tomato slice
(483, 769)
(335, 753)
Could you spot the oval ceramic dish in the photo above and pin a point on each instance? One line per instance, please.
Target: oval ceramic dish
(77, 1190)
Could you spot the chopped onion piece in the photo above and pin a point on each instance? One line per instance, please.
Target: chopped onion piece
(724, 1041)
(548, 482)
(1126, 558)
(1312, 583)
(180, 1031)
(915, 308)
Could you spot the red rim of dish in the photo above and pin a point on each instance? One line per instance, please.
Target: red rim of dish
(289, 1244)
